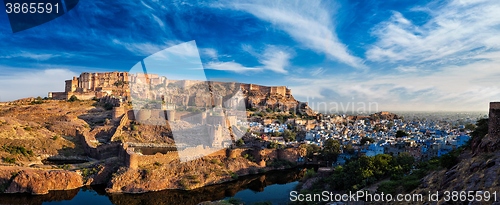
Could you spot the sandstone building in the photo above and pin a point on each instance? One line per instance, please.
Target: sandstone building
(90, 85)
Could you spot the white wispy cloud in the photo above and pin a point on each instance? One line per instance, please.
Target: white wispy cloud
(308, 22)
(455, 32)
(30, 55)
(271, 58)
(275, 59)
(210, 52)
(231, 66)
(452, 88)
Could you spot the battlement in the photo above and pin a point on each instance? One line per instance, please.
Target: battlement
(495, 105)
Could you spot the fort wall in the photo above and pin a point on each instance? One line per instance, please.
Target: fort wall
(58, 95)
(112, 149)
(494, 120)
(281, 90)
(81, 95)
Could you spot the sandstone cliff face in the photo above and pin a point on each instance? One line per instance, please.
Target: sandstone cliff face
(41, 181)
(176, 175)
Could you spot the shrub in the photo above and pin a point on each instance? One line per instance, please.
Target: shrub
(157, 164)
(9, 160)
(108, 106)
(184, 183)
(134, 127)
(234, 201)
(27, 128)
(216, 161)
(451, 159)
(240, 142)
(14, 174)
(55, 137)
(36, 102)
(73, 98)
(310, 173)
(249, 157)
(234, 176)
(65, 166)
(86, 172)
(17, 150)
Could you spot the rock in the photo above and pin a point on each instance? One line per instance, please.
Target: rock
(41, 181)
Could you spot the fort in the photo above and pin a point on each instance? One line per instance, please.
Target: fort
(97, 85)
(272, 90)
(90, 85)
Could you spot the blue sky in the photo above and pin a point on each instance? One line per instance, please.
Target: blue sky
(401, 55)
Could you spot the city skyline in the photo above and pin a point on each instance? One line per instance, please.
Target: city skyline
(402, 55)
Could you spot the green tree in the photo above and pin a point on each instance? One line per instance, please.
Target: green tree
(349, 148)
(401, 133)
(289, 136)
(481, 129)
(470, 126)
(73, 98)
(240, 142)
(331, 149)
(382, 165)
(364, 140)
(405, 160)
(311, 149)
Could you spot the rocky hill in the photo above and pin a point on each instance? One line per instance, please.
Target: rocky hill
(257, 97)
(478, 167)
(36, 135)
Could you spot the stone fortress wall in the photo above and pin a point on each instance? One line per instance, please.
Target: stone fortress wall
(494, 120)
(118, 84)
(90, 85)
(280, 90)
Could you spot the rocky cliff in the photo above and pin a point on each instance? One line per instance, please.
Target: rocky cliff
(184, 93)
(478, 168)
(36, 181)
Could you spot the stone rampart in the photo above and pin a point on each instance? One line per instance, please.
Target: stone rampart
(113, 149)
(494, 120)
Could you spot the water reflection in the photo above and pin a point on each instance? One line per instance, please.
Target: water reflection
(210, 193)
(30, 199)
(97, 195)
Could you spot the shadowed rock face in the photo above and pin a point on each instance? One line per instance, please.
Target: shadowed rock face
(478, 169)
(40, 181)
